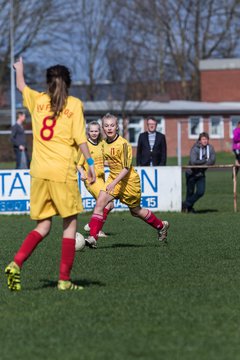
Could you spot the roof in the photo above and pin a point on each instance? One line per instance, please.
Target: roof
(219, 64)
(175, 107)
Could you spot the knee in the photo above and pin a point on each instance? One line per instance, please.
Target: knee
(134, 211)
(43, 229)
(200, 192)
(101, 202)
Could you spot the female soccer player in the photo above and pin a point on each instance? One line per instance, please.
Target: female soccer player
(123, 183)
(58, 131)
(95, 145)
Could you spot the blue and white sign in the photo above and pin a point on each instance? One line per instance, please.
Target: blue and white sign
(161, 190)
(14, 191)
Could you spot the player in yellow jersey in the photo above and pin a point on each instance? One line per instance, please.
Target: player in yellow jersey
(123, 183)
(95, 145)
(58, 131)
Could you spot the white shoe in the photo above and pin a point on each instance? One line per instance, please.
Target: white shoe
(162, 233)
(91, 242)
(102, 234)
(87, 228)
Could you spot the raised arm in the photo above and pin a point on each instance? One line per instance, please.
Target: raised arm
(18, 66)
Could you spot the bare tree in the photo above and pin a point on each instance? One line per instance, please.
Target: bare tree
(176, 34)
(93, 22)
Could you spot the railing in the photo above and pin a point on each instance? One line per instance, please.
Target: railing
(234, 177)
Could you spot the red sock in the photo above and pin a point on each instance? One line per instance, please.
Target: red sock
(105, 214)
(67, 258)
(152, 220)
(27, 247)
(96, 224)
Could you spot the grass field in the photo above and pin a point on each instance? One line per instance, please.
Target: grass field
(141, 300)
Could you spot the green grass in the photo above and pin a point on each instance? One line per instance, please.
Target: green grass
(141, 300)
(222, 158)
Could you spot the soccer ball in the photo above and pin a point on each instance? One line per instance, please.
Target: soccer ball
(80, 242)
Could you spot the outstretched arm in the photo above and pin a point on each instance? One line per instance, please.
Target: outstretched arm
(18, 66)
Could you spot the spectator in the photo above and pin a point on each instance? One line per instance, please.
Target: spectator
(151, 149)
(18, 139)
(236, 145)
(202, 153)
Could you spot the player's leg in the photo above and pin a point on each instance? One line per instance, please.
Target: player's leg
(68, 254)
(106, 211)
(68, 202)
(97, 219)
(28, 246)
(148, 216)
(94, 190)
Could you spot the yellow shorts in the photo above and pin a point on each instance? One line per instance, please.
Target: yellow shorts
(128, 191)
(49, 198)
(96, 187)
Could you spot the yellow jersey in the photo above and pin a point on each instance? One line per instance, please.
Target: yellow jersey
(118, 154)
(55, 141)
(96, 151)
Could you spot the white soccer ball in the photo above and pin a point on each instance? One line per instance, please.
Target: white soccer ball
(80, 242)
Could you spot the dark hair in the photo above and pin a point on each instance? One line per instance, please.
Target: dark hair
(58, 81)
(20, 113)
(203, 134)
(151, 118)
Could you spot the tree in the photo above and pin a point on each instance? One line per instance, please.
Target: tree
(177, 34)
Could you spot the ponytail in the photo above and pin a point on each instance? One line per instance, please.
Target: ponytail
(58, 81)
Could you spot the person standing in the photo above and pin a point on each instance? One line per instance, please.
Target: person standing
(18, 139)
(123, 183)
(202, 153)
(151, 148)
(58, 131)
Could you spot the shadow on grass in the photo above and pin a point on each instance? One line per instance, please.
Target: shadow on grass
(83, 282)
(122, 246)
(205, 211)
(119, 245)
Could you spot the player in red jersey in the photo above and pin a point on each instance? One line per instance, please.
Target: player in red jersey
(123, 183)
(58, 132)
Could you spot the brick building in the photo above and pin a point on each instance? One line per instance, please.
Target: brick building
(181, 121)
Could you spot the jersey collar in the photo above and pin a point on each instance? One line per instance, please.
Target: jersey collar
(110, 142)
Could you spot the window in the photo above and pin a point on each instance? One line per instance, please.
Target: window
(216, 129)
(233, 124)
(135, 127)
(195, 127)
(161, 124)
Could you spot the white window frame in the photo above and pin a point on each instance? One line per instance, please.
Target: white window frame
(195, 136)
(231, 127)
(135, 125)
(160, 124)
(216, 136)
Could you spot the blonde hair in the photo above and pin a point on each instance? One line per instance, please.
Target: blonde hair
(96, 123)
(110, 116)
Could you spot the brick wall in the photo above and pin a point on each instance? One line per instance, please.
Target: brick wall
(186, 143)
(220, 85)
